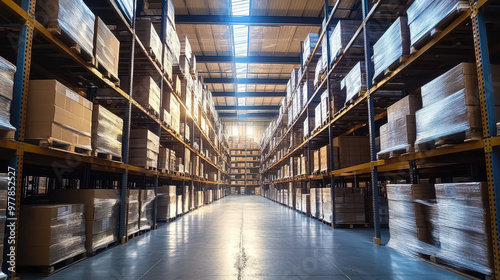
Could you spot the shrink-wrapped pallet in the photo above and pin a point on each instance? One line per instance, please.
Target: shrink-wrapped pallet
(186, 49)
(163, 203)
(354, 82)
(399, 133)
(144, 148)
(180, 210)
(172, 207)
(309, 44)
(306, 204)
(173, 44)
(101, 214)
(146, 31)
(298, 199)
(146, 209)
(425, 15)
(132, 211)
(410, 210)
(294, 80)
(341, 36)
(147, 93)
(106, 48)
(107, 131)
(327, 204)
(448, 116)
(71, 18)
(7, 71)
(463, 223)
(127, 7)
(394, 44)
(51, 233)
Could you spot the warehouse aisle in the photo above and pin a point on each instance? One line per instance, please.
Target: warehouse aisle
(249, 237)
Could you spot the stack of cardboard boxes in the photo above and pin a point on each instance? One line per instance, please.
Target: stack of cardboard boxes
(349, 206)
(146, 209)
(101, 214)
(57, 114)
(107, 131)
(144, 148)
(50, 233)
(133, 211)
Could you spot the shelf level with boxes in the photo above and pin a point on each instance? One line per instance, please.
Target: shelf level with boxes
(408, 115)
(245, 160)
(100, 78)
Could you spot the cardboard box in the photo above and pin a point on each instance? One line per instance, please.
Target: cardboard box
(146, 31)
(132, 211)
(44, 244)
(147, 93)
(56, 112)
(106, 48)
(107, 131)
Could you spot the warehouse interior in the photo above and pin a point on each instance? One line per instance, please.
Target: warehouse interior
(249, 139)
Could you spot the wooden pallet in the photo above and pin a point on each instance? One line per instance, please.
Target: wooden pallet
(56, 144)
(102, 249)
(391, 68)
(462, 7)
(106, 156)
(151, 54)
(51, 269)
(8, 134)
(107, 74)
(464, 272)
(449, 140)
(351, 225)
(355, 97)
(397, 152)
(55, 29)
(133, 235)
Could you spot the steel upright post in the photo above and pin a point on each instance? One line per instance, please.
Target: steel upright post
(18, 118)
(487, 103)
(126, 133)
(371, 125)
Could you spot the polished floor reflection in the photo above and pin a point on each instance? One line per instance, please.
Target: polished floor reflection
(249, 237)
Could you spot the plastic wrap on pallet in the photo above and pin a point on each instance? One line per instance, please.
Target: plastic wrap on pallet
(173, 44)
(463, 222)
(5, 114)
(320, 69)
(446, 117)
(409, 217)
(391, 46)
(462, 76)
(355, 81)
(147, 93)
(397, 135)
(7, 72)
(106, 131)
(74, 18)
(149, 38)
(146, 218)
(186, 48)
(127, 7)
(56, 233)
(310, 43)
(424, 15)
(341, 36)
(106, 47)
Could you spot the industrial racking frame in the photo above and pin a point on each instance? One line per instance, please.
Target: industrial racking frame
(17, 149)
(369, 109)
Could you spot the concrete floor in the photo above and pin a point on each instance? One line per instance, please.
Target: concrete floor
(249, 237)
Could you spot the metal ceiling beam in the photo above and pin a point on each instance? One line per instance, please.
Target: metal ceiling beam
(249, 115)
(248, 20)
(250, 59)
(252, 81)
(249, 108)
(248, 94)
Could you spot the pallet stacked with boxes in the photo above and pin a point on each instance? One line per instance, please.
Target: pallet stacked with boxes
(245, 158)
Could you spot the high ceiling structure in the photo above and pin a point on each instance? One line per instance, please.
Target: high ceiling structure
(246, 49)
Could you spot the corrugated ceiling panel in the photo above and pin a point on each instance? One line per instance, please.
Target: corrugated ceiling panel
(310, 8)
(201, 7)
(284, 41)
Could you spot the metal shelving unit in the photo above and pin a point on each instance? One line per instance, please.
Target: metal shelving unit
(467, 30)
(28, 159)
(249, 172)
